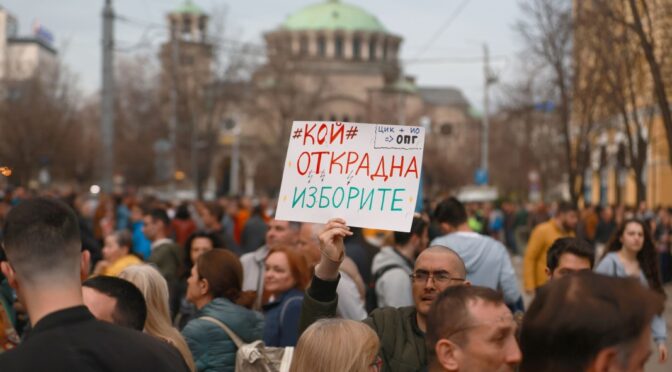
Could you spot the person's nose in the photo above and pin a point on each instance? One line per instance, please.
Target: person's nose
(513, 354)
(430, 285)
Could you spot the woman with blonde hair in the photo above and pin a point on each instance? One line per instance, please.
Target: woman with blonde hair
(334, 345)
(155, 290)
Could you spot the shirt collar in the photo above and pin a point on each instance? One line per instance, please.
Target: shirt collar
(75, 314)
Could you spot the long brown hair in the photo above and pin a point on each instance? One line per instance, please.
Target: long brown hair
(224, 273)
(647, 257)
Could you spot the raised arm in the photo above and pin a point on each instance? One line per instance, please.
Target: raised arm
(320, 300)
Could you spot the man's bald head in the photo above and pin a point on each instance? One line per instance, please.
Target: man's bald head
(457, 268)
(437, 262)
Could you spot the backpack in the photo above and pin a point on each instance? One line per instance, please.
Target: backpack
(371, 297)
(255, 356)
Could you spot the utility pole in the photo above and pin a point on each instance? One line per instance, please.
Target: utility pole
(489, 79)
(235, 158)
(107, 100)
(172, 125)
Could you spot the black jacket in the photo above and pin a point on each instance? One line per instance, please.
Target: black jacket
(73, 340)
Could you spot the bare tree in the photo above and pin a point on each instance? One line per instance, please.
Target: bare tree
(40, 124)
(138, 127)
(612, 49)
(547, 30)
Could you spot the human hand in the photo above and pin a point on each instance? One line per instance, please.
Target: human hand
(332, 247)
(662, 352)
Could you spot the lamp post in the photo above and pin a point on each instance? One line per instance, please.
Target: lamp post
(232, 126)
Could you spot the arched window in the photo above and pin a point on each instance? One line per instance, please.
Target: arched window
(372, 50)
(321, 46)
(338, 46)
(356, 47)
(303, 45)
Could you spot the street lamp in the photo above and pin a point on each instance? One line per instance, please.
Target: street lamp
(231, 125)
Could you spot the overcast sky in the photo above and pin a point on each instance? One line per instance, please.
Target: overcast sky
(453, 59)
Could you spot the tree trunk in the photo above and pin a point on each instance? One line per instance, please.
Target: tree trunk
(656, 75)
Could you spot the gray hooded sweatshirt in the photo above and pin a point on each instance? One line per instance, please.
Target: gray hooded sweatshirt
(487, 261)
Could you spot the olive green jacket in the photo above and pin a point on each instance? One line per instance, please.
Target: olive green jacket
(402, 343)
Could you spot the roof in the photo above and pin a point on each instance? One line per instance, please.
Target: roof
(32, 40)
(188, 7)
(445, 96)
(333, 15)
(404, 85)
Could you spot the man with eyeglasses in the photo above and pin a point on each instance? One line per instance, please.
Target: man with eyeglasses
(469, 328)
(401, 330)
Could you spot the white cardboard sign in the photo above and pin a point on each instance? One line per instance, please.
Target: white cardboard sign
(367, 174)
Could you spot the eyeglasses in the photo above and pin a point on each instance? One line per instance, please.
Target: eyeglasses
(422, 276)
(377, 364)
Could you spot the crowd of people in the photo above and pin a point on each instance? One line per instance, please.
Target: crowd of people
(123, 283)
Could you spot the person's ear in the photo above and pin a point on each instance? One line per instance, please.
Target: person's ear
(605, 360)
(9, 273)
(415, 240)
(85, 265)
(548, 272)
(445, 228)
(204, 286)
(447, 355)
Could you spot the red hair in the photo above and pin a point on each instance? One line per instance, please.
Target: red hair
(298, 266)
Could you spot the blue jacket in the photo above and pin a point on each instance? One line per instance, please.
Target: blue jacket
(282, 319)
(141, 245)
(611, 265)
(211, 347)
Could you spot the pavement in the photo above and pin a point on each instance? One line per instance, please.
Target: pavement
(652, 365)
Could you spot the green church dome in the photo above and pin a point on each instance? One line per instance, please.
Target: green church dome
(188, 7)
(333, 15)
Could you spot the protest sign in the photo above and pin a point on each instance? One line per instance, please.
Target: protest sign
(367, 174)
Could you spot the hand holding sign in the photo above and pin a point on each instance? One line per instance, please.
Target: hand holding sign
(366, 173)
(332, 247)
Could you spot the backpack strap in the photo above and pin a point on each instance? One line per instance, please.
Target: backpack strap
(234, 337)
(284, 307)
(380, 272)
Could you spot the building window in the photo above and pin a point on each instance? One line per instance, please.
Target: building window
(346, 118)
(393, 52)
(446, 129)
(384, 51)
(332, 117)
(303, 46)
(356, 47)
(338, 46)
(321, 46)
(372, 50)
(186, 25)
